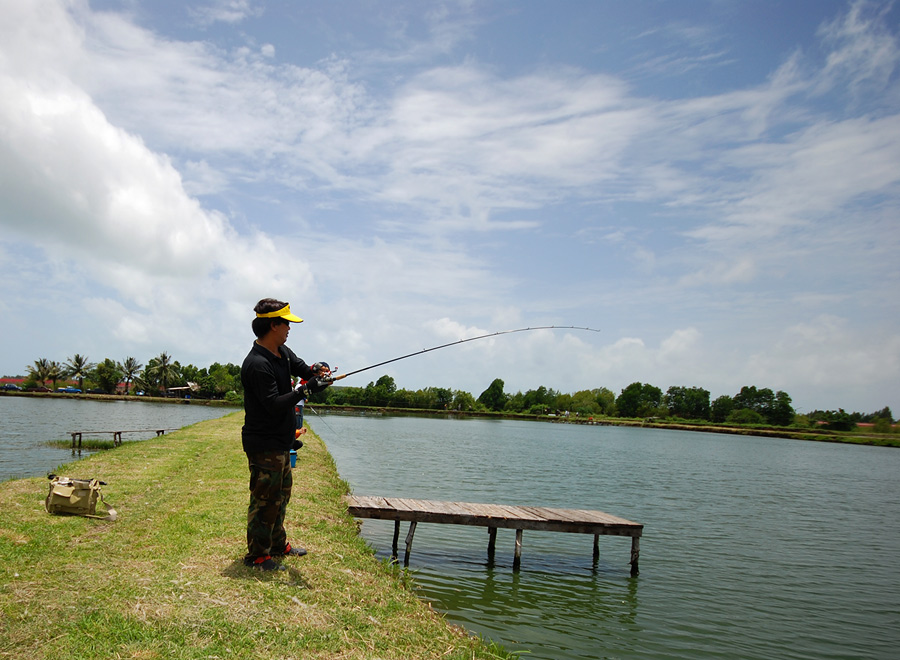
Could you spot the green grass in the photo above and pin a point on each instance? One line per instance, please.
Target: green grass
(89, 444)
(166, 579)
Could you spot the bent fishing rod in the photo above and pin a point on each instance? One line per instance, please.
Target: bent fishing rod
(463, 341)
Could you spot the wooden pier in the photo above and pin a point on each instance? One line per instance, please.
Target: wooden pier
(117, 435)
(494, 516)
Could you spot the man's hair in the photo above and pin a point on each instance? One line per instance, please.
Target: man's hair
(261, 326)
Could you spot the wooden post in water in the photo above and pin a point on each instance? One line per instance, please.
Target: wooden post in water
(492, 543)
(409, 540)
(394, 551)
(517, 559)
(635, 554)
(76, 435)
(117, 438)
(596, 547)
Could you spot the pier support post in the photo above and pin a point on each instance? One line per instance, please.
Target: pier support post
(596, 547)
(78, 436)
(409, 540)
(492, 543)
(394, 551)
(517, 559)
(117, 438)
(635, 554)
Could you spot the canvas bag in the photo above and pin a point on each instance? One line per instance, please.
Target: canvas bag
(76, 497)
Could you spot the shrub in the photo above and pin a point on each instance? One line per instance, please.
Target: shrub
(745, 416)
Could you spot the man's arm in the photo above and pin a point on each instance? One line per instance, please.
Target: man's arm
(266, 389)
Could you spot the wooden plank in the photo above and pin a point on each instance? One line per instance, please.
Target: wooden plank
(521, 513)
(459, 508)
(368, 501)
(399, 504)
(550, 515)
(608, 518)
(443, 508)
(577, 515)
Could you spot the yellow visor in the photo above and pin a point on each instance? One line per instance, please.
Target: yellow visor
(284, 313)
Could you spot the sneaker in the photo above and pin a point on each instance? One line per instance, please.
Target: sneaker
(266, 563)
(290, 551)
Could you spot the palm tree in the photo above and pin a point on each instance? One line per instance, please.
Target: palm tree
(40, 370)
(78, 367)
(55, 371)
(163, 370)
(130, 369)
(141, 382)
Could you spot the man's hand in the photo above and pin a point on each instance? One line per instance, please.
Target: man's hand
(318, 383)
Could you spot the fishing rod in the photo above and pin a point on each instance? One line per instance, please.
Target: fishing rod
(463, 341)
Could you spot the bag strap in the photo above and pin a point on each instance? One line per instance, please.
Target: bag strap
(110, 512)
(94, 485)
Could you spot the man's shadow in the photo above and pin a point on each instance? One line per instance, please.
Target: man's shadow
(239, 571)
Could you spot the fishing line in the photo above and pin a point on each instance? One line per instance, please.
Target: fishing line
(328, 426)
(463, 341)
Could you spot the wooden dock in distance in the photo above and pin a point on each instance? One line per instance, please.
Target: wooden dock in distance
(494, 516)
(117, 435)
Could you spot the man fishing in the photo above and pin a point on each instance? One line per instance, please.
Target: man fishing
(269, 427)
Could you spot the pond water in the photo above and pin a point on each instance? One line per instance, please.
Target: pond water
(28, 423)
(753, 548)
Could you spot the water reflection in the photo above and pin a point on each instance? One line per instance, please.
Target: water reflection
(567, 608)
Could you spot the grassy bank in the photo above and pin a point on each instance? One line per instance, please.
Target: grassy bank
(166, 580)
(793, 433)
(857, 437)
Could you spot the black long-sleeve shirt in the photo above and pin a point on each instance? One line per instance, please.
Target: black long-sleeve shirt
(269, 400)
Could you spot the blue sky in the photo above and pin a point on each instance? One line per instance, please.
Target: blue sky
(713, 184)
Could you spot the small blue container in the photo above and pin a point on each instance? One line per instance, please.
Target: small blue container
(293, 458)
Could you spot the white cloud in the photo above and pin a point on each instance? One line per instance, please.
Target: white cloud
(829, 354)
(93, 194)
(863, 52)
(225, 11)
(411, 213)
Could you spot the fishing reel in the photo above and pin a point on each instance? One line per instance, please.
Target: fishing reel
(322, 369)
(323, 378)
(324, 374)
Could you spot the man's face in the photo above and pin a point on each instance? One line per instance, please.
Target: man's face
(280, 329)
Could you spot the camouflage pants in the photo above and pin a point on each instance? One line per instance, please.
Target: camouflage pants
(270, 492)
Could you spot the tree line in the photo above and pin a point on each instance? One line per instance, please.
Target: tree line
(156, 378)
(751, 405)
